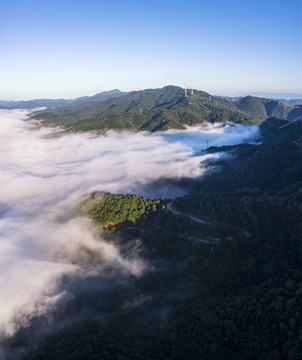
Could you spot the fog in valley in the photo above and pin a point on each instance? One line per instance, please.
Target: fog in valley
(44, 238)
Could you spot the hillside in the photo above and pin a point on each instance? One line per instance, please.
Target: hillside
(271, 166)
(105, 208)
(265, 108)
(237, 299)
(151, 110)
(278, 128)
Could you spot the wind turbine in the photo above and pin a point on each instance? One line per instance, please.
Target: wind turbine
(185, 87)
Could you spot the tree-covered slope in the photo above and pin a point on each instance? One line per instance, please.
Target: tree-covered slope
(151, 109)
(266, 108)
(278, 128)
(273, 165)
(112, 209)
(252, 105)
(237, 300)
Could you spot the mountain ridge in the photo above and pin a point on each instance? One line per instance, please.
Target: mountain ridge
(170, 107)
(49, 103)
(149, 109)
(266, 108)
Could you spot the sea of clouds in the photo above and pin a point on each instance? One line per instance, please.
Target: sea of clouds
(43, 237)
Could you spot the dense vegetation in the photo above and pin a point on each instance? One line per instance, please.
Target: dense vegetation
(265, 108)
(240, 299)
(106, 208)
(275, 164)
(151, 110)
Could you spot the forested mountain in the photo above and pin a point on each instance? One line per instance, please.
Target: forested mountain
(151, 110)
(54, 103)
(223, 278)
(271, 166)
(236, 298)
(278, 128)
(265, 108)
(104, 95)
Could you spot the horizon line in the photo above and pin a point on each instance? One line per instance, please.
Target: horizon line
(269, 94)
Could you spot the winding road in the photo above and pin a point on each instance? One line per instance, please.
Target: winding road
(188, 237)
(169, 207)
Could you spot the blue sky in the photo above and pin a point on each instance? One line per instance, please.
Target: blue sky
(80, 47)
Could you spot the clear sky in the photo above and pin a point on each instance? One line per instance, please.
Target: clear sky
(70, 48)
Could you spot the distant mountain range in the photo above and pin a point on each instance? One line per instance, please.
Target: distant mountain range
(153, 109)
(288, 102)
(54, 103)
(291, 102)
(150, 110)
(269, 95)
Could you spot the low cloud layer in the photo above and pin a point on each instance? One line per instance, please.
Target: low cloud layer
(42, 237)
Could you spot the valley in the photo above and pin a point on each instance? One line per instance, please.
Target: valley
(151, 180)
(145, 253)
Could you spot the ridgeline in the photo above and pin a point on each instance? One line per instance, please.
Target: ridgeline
(147, 110)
